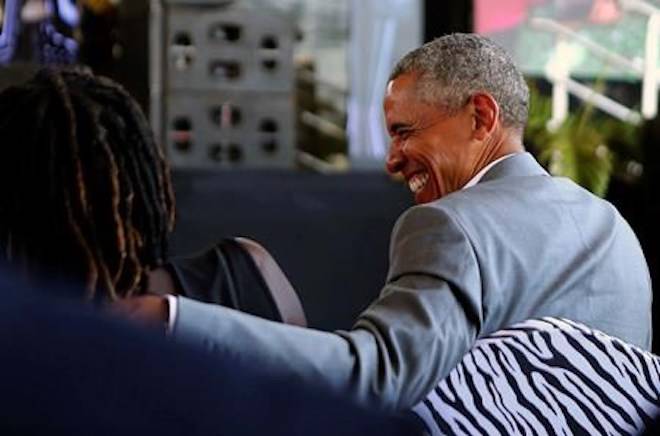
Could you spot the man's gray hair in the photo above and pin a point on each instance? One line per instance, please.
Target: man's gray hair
(454, 67)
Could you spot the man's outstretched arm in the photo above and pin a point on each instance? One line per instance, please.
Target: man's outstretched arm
(424, 321)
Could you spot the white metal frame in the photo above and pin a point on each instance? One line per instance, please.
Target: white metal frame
(645, 69)
(156, 68)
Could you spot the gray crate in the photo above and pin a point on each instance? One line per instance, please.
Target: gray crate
(224, 63)
(236, 129)
(218, 48)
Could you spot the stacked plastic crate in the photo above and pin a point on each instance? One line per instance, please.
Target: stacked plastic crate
(222, 84)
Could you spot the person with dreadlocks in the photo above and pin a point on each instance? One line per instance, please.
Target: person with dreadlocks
(86, 197)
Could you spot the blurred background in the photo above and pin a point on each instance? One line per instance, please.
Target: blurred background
(270, 111)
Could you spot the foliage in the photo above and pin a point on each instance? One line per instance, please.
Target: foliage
(589, 147)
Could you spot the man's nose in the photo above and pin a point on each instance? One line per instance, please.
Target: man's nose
(396, 159)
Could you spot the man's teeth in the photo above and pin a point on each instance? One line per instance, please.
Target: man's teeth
(417, 182)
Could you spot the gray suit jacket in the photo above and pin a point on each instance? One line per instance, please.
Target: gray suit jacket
(520, 244)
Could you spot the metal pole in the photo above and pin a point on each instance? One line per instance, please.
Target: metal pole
(156, 49)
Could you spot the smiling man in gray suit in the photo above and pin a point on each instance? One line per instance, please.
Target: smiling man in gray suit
(493, 240)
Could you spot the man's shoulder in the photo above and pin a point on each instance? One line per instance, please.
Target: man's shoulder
(532, 193)
(509, 203)
(424, 217)
(492, 195)
(465, 205)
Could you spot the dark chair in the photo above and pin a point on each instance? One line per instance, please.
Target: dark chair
(237, 273)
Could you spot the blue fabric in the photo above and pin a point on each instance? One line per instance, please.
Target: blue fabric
(67, 370)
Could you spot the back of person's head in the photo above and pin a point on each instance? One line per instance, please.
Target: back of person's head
(454, 67)
(85, 192)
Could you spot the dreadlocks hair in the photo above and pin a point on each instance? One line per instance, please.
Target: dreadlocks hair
(85, 192)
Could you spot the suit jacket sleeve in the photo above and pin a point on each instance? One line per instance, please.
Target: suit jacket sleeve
(424, 321)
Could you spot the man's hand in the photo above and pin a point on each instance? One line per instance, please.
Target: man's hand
(151, 310)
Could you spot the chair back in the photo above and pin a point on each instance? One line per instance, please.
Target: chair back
(547, 376)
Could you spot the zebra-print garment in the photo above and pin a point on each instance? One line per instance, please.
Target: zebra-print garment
(547, 376)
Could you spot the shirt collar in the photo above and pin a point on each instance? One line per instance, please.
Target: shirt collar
(474, 180)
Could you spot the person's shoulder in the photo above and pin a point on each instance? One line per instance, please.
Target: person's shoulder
(465, 202)
(423, 215)
(429, 221)
(511, 197)
(534, 192)
(571, 187)
(445, 211)
(483, 203)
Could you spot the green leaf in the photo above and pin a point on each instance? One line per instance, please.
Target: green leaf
(586, 148)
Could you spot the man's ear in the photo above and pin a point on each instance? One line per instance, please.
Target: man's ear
(486, 115)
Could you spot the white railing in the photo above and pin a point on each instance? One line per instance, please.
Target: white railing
(646, 69)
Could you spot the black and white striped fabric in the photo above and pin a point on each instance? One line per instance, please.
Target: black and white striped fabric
(547, 377)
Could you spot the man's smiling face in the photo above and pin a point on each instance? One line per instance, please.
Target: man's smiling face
(434, 151)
